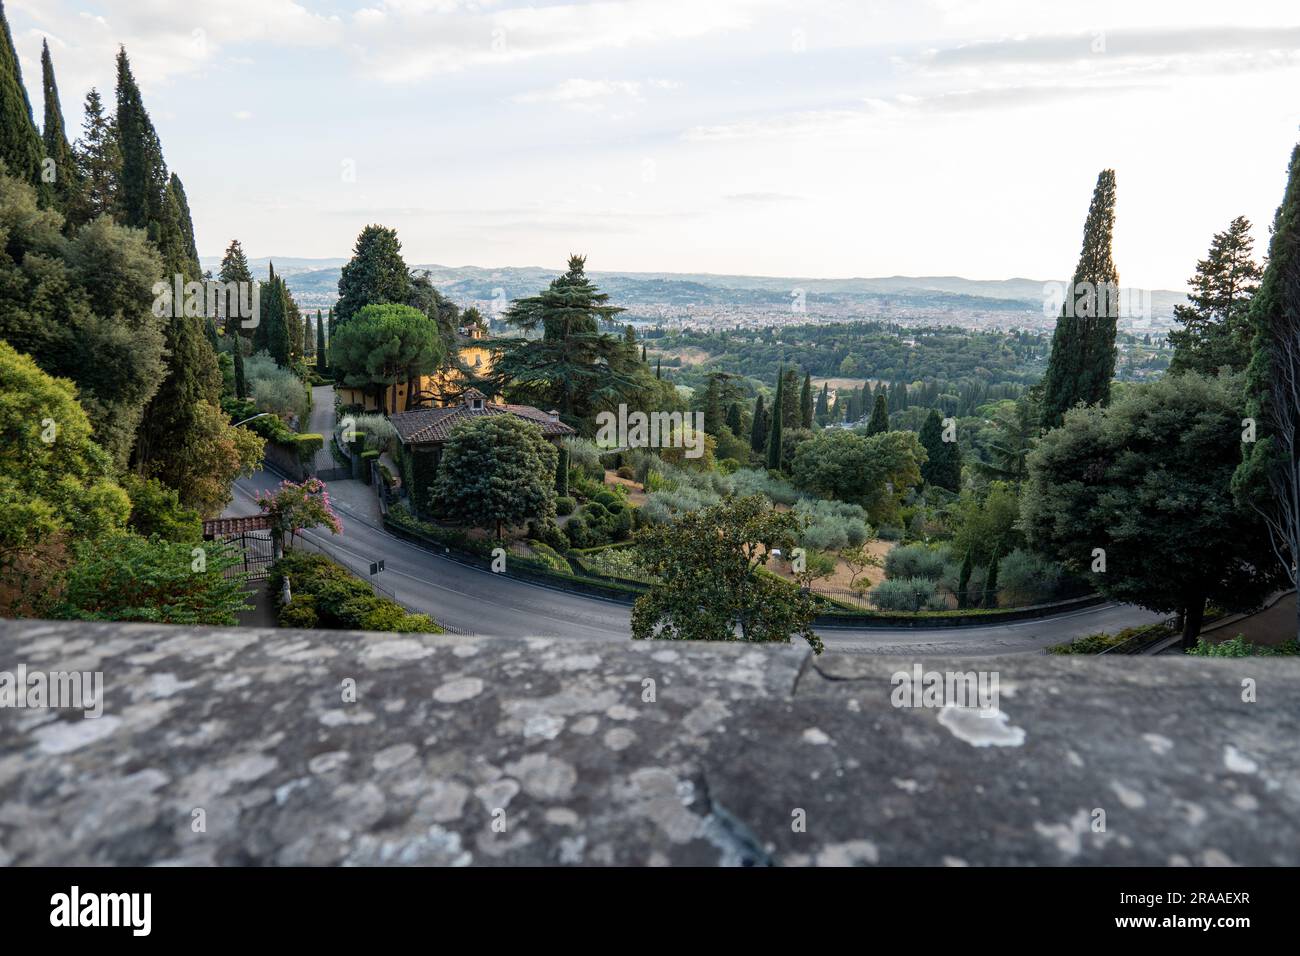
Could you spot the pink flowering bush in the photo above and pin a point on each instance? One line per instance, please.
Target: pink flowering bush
(297, 507)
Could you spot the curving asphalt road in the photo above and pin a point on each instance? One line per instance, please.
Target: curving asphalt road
(479, 602)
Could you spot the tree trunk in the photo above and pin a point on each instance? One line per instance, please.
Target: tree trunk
(1192, 622)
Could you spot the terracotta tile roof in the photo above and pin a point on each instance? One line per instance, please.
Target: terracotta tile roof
(433, 425)
(216, 527)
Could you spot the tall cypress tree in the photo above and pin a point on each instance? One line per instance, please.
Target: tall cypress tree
(308, 336)
(1268, 478)
(241, 382)
(67, 181)
(142, 196)
(322, 359)
(1082, 362)
(822, 413)
(733, 418)
(879, 421)
(942, 467)
(20, 144)
(774, 436)
(806, 402)
(659, 368)
(186, 238)
(758, 427)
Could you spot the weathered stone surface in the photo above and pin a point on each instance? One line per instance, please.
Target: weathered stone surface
(461, 751)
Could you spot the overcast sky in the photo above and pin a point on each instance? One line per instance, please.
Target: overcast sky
(790, 137)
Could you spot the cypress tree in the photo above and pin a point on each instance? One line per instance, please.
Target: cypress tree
(1268, 478)
(963, 580)
(20, 144)
(99, 160)
(1082, 362)
(789, 403)
(659, 368)
(142, 195)
(643, 353)
(308, 336)
(942, 467)
(879, 421)
(991, 583)
(823, 410)
(67, 181)
(806, 402)
(186, 237)
(758, 428)
(322, 360)
(774, 436)
(241, 383)
(733, 419)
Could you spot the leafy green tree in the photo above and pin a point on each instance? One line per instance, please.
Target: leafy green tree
(1215, 327)
(157, 510)
(55, 482)
(124, 577)
(213, 454)
(879, 421)
(67, 181)
(20, 144)
(987, 525)
(497, 471)
(943, 462)
(1146, 481)
(376, 274)
(382, 345)
(1016, 426)
(81, 309)
(99, 162)
(573, 366)
(1082, 362)
(774, 436)
(1268, 478)
(711, 583)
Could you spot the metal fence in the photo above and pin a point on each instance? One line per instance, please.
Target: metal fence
(256, 554)
(867, 598)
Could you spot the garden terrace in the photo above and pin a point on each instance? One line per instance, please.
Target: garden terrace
(251, 726)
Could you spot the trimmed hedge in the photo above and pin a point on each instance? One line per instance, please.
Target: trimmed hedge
(326, 594)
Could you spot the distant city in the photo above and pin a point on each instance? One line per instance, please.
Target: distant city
(703, 301)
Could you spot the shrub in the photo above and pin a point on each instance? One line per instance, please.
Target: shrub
(584, 456)
(1026, 578)
(341, 603)
(565, 505)
(889, 533)
(576, 531)
(299, 612)
(627, 472)
(307, 444)
(380, 434)
(903, 594)
(1240, 647)
(550, 557)
(914, 561)
(274, 389)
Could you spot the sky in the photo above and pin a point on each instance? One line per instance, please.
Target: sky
(757, 137)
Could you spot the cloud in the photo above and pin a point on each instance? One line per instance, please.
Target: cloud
(762, 197)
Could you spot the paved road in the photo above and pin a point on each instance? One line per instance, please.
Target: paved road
(322, 423)
(479, 602)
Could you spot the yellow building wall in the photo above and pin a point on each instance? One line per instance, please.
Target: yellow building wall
(474, 356)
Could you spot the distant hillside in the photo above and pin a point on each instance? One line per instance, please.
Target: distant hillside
(315, 282)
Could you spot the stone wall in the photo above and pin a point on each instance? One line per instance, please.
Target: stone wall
(313, 747)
